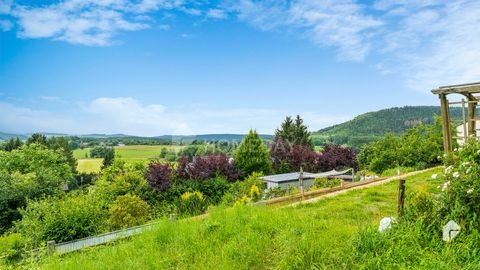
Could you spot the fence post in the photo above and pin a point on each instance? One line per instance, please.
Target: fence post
(173, 217)
(401, 197)
(51, 247)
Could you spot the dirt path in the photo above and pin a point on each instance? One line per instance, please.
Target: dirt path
(381, 182)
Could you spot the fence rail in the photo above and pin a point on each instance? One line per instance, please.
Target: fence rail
(96, 240)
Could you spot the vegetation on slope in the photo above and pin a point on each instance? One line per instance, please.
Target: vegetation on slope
(318, 235)
(371, 126)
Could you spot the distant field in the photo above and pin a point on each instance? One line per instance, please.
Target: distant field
(89, 165)
(132, 151)
(129, 152)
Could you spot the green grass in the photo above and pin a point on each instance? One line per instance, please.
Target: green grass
(89, 165)
(311, 236)
(130, 153)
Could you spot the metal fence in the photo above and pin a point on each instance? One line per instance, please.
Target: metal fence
(96, 240)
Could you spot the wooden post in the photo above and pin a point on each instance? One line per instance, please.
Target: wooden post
(401, 197)
(471, 119)
(300, 178)
(447, 135)
(173, 217)
(51, 247)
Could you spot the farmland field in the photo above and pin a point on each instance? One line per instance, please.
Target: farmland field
(128, 152)
(313, 236)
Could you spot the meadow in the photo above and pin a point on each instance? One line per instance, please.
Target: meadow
(129, 152)
(319, 235)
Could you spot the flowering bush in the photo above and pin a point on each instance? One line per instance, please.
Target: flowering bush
(460, 198)
(192, 203)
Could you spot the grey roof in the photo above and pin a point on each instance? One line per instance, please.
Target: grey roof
(288, 177)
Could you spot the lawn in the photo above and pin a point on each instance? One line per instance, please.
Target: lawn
(312, 236)
(129, 153)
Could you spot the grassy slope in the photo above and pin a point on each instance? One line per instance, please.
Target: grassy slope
(316, 235)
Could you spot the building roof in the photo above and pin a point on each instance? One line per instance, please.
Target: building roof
(288, 177)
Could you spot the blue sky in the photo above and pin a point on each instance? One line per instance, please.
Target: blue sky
(153, 67)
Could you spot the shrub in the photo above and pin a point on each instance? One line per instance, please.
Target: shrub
(252, 155)
(243, 188)
(12, 246)
(159, 175)
(326, 183)
(336, 156)
(255, 193)
(128, 211)
(192, 203)
(207, 167)
(62, 219)
(302, 156)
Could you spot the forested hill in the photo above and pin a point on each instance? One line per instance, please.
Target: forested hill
(373, 125)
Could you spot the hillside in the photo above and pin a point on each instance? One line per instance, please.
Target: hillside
(373, 125)
(319, 235)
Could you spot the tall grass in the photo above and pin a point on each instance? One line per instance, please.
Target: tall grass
(318, 235)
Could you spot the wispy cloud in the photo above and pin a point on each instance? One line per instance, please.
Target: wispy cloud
(131, 116)
(342, 24)
(86, 22)
(216, 13)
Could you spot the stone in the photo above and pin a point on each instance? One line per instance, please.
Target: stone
(386, 224)
(450, 231)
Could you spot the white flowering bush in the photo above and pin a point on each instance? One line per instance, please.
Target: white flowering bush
(460, 197)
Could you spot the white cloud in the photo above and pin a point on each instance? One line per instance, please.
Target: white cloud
(434, 43)
(86, 22)
(130, 116)
(18, 119)
(216, 13)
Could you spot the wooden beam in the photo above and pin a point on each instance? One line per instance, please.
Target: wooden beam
(447, 135)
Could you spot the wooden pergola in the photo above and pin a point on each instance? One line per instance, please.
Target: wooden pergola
(469, 121)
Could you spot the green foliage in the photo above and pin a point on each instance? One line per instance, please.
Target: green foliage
(12, 144)
(62, 219)
(12, 246)
(124, 178)
(26, 173)
(58, 144)
(252, 155)
(128, 211)
(108, 158)
(244, 188)
(325, 183)
(294, 132)
(192, 203)
(419, 147)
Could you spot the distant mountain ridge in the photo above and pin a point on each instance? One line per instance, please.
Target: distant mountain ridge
(201, 137)
(362, 129)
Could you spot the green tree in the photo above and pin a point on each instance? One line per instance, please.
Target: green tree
(163, 152)
(29, 172)
(37, 138)
(108, 158)
(252, 155)
(294, 131)
(12, 144)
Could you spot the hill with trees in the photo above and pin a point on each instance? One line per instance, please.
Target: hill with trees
(372, 126)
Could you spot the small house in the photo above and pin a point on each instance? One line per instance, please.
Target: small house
(293, 179)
